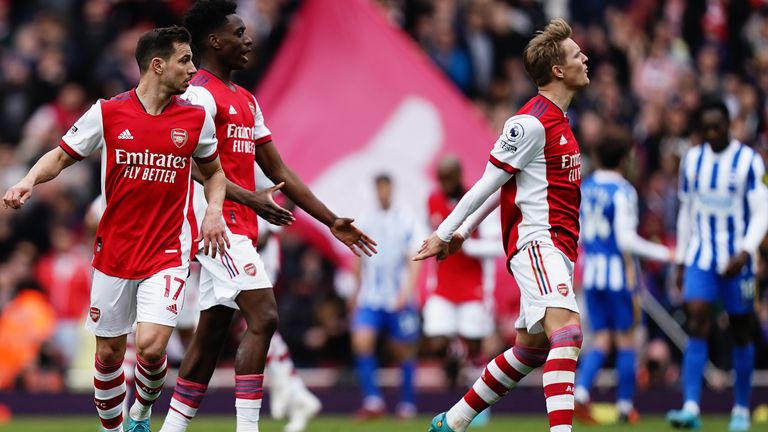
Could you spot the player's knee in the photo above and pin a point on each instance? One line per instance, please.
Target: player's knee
(742, 328)
(110, 353)
(150, 350)
(568, 336)
(698, 325)
(265, 323)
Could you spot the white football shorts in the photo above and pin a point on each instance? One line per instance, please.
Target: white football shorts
(117, 304)
(239, 269)
(190, 313)
(471, 320)
(545, 277)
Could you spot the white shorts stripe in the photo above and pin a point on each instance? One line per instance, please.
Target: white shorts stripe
(555, 377)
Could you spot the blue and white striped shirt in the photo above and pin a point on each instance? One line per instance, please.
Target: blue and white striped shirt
(609, 233)
(723, 203)
(382, 275)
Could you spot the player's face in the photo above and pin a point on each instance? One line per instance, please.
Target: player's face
(234, 43)
(575, 67)
(449, 179)
(714, 129)
(384, 193)
(179, 69)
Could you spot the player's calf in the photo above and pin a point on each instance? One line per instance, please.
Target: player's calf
(559, 374)
(499, 376)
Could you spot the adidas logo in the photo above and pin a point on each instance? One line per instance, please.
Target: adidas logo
(569, 389)
(126, 134)
(172, 308)
(232, 110)
(563, 140)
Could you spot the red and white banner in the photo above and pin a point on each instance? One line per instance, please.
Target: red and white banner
(350, 96)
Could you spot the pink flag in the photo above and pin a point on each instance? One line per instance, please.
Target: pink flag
(350, 96)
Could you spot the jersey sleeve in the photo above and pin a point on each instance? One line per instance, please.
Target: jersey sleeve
(197, 95)
(207, 150)
(261, 134)
(625, 227)
(522, 139)
(86, 135)
(757, 199)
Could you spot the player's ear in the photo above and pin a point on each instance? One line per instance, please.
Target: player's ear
(213, 41)
(557, 71)
(157, 65)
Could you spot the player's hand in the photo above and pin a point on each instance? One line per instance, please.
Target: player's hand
(262, 202)
(735, 264)
(356, 240)
(432, 247)
(672, 255)
(679, 273)
(455, 244)
(213, 233)
(402, 299)
(17, 195)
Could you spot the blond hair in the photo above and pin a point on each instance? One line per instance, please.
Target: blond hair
(545, 51)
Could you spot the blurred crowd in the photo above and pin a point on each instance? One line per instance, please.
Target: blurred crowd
(651, 64)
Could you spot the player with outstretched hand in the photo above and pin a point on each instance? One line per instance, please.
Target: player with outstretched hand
(148, 137)
(537, 164)
(238, 279)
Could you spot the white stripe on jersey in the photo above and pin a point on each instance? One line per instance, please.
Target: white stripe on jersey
(715, 186)
(382, 275)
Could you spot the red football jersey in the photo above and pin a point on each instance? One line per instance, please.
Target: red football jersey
(240, 128)
(459, 277)
(145, 176)
(541, 201)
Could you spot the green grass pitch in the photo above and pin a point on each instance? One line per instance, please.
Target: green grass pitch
(345, 424)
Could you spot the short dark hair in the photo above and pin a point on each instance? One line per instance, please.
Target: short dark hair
(206, 16)
(613, 147)
(159, 42)
(382, 178)
(713, 105)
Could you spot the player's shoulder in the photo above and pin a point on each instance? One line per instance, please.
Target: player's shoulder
(118, 99)
(187, 104)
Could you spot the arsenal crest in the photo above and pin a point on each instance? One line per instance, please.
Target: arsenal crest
(562, 289)
(250, 269)
(179, 137)
(94, 313)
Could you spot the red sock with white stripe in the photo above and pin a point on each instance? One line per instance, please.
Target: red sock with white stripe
(150, 378)
(109, 393)
(499, 376)
(187, 396)
(248, 392)
(559, 373)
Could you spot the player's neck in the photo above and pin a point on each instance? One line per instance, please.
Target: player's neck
(152, 97)
(221, 72)
(558, 95)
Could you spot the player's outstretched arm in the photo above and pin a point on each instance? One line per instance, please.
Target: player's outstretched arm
(213, 230)
(270, 161)
(438, 243)
(260, 201)
(47, 168)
